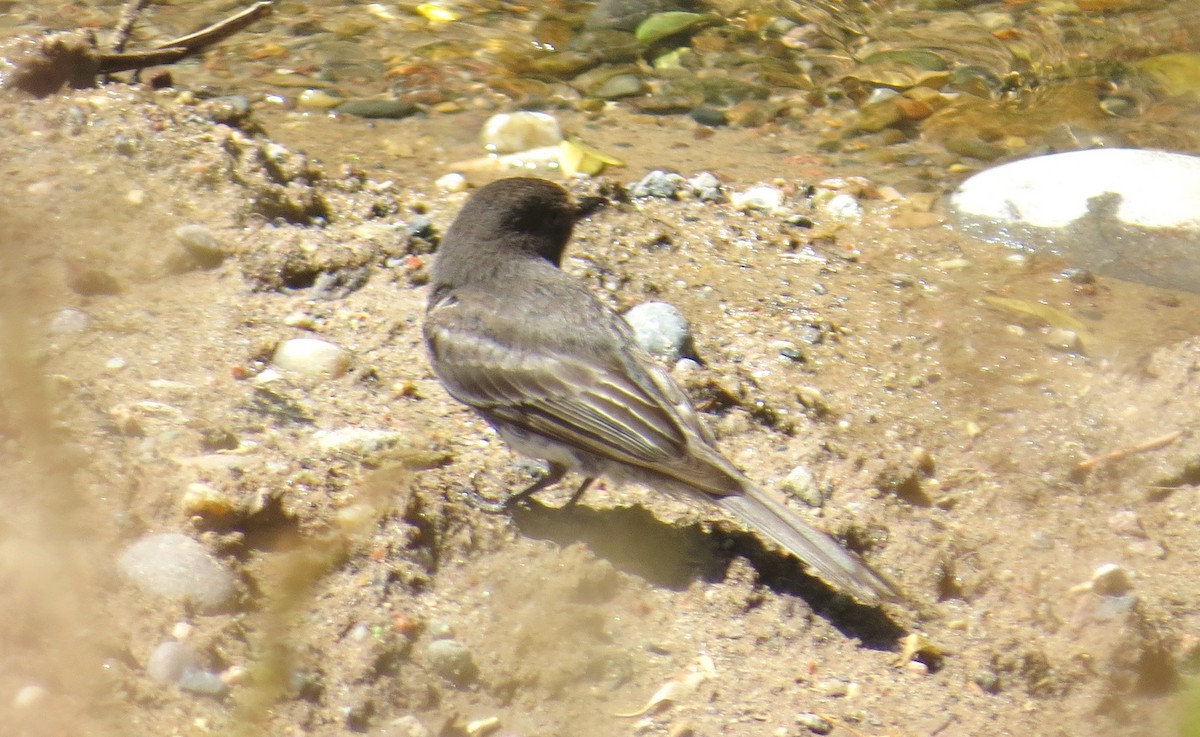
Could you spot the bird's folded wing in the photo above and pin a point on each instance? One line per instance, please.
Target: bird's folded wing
(610, 411)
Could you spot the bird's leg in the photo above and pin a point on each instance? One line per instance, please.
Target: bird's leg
(579, 492)
(553, 475)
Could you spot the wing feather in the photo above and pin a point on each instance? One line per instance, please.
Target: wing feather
(601, 409)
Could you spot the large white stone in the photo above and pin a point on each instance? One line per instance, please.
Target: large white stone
(1157, 189)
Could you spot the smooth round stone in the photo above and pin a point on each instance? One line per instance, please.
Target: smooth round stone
(706, 187)
(844, 207)
(176, 566)
(318, 100)
(169, 661)
(198, 680)
(201, 244)
(70, 321)
(312, 357)
(1156, 189)
(758, 198)
(511, 132)
(357, 440)
(388, 109)
(662, 330)
(451, 659)
(658, 184)
(452, 182)
(1123, 213)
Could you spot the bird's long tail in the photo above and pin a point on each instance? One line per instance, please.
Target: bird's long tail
(830, 561)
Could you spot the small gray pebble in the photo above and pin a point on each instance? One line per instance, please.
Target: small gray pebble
(452, 660)
(419, 227)
(440, 629)
(814, 723)
(201, 245)
(176, 566)
(662, 330)
(801, 484)
(405, 726)
(124, 145)
(811, 334)
(658, 184)
(198, 680)
(707, 188)
(169, 661)
(70, 321)
(393, 109)
(709, 116)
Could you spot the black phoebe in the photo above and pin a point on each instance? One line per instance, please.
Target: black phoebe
(560, 377)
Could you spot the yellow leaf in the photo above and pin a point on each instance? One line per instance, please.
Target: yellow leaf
(575, 156)
(436, 13)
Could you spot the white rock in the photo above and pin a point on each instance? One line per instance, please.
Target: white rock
(312, 357)
(1122, 213)
(510, 132)
(1157, 189)
(70, 321)
(176, 566)
(758, 198)
(169, 661)
(452, 182)
(844, 207)
(356, 439)
(661, 329)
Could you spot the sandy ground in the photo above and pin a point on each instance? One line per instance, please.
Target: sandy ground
(944, 435)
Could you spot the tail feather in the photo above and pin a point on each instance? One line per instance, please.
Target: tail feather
(828, 559)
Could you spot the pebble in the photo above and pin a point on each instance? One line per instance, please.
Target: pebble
(1124, 213)
(440, 629)
(506, 133)
(709, 116)
(831, 687)
(29, 696)
(312, 357)
(299, 319)
(201, 245)
(706, 187)
(1110, 579)
(1126, 522)
(70, 321)
(451, 183)
(405, 726)
(387, 109)
(451, 659)
(356, 440)
(202, 681)
(169, 661)
(814, 723)
(662, 330)
(758, 198)
(666, 185)
(202, 500)
(318, 100)
(844, 207)
(176, 566)
(1156, 189)
(801, 484)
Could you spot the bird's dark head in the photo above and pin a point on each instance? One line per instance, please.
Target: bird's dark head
(522, 215)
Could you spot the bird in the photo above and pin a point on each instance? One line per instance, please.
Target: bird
(561, 378)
